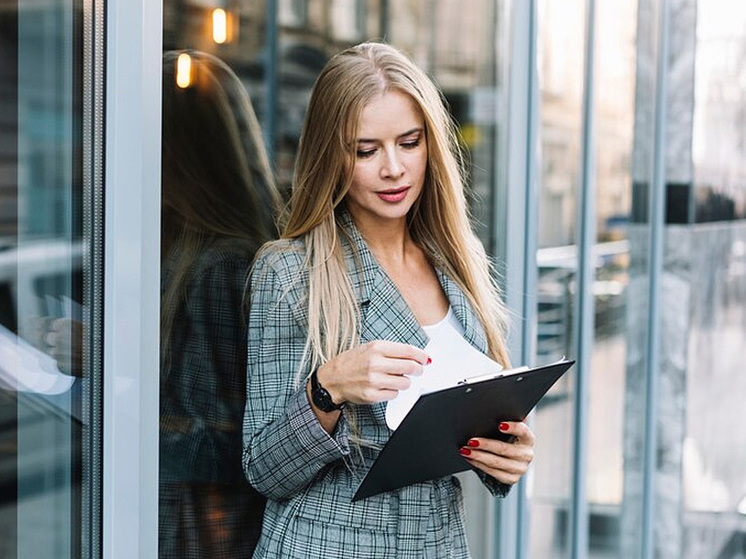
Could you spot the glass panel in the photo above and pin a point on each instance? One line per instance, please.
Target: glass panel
(714, 482)
(561, 32)
(615, 58)
(45, 417)
(217, 197)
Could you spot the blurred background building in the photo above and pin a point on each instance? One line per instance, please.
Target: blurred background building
(606, 146)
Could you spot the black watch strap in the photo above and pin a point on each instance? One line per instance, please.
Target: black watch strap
(321, 397)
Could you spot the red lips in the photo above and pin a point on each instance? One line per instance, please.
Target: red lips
(393, 194)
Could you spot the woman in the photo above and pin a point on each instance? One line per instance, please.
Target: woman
(377, 248)
(217, 193)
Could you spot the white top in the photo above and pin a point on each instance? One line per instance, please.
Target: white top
(449, 319)
(453, 360)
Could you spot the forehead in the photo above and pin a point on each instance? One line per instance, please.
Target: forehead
(389, 114)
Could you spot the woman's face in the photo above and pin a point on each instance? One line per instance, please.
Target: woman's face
(390, 162)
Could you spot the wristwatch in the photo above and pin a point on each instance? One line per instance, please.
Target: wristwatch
(321, 397)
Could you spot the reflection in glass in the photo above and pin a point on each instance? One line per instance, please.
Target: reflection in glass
(43, 378)
(561, 32)
(714, 480)
(719, 149)
(616, 26)
(218, 204)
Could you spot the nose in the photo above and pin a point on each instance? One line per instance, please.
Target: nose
(392, 166)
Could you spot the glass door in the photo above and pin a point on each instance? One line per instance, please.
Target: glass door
(48, 408)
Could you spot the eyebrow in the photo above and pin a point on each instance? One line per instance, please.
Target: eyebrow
(404, 135)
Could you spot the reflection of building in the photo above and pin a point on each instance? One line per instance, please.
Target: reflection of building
(561, 103)
(720, 119)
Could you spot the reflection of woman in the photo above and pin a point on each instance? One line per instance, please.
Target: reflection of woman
(377, 250)
(217, 205)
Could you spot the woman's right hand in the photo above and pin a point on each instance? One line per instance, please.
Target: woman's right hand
(372, 372)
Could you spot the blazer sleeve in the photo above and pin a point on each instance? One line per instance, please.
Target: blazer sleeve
(285, 447)
(496, 488)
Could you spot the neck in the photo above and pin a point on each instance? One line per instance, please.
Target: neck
(387, 241)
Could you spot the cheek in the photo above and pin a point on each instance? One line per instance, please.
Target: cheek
(361, 179)
(420, 167)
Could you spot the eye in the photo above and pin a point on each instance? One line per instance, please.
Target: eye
(365, 153)
(411, 144)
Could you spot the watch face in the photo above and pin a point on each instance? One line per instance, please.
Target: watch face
(321, 398)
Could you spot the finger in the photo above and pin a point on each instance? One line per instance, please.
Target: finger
(503, 469)
(499, 463)
(387, 381)
(519, 430)
(399, 367)
(503, 476)
(484, 449)
(386, 395)
(398, 350)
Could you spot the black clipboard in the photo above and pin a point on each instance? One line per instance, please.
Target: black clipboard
(426, 443)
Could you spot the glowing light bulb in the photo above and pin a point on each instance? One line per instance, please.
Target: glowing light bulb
(219, 26)
(184, 70)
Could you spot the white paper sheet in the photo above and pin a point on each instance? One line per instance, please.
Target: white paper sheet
(453, 360)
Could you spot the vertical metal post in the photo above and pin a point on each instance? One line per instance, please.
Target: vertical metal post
(383, 21)
(134, 30)
(93, 262)
(432, 52)
(657, 230)
(270, 77)
(521, 202)
(530, 235)
(584, 302)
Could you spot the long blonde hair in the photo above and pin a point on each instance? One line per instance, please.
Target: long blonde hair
(216, 179)
(438, 221)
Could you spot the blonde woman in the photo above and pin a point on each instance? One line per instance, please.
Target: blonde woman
(377, 248)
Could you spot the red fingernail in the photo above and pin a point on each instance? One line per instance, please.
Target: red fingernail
(464, 451)
(473, 443)
(504, 427)
(428, 361)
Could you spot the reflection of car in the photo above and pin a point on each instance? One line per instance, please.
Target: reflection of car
(35, 277)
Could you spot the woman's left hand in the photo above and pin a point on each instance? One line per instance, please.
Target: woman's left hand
(504, 461)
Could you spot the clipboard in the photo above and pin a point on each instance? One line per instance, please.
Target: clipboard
(425, 445)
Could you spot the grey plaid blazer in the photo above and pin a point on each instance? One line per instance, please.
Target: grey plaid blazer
(308, 476)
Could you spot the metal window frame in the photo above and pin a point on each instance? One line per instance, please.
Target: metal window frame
(583, 328)
(656, 219)
(131, 278)
(93, 289)
(518, 204)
